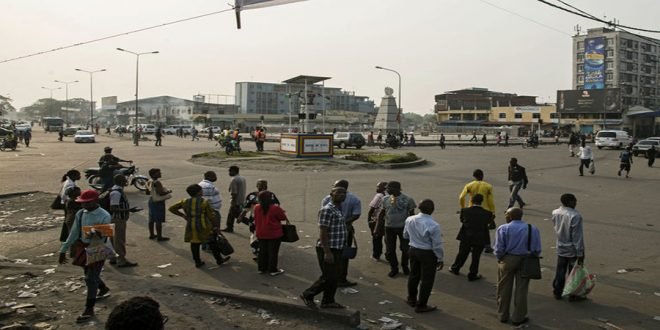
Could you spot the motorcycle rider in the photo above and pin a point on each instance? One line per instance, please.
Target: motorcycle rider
(109, 167)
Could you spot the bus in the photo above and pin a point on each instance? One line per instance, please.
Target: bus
(52, 124)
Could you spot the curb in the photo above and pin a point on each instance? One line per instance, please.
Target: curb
(415, 163)
(347, 316)
(22, 193)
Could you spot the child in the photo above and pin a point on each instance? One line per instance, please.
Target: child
(201, 223)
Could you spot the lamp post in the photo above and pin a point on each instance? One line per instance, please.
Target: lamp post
(66, 84)
(399, 100)
(51, 89)
(91, 94)
(137, 71)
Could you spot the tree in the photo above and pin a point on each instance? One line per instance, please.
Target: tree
(5, 105)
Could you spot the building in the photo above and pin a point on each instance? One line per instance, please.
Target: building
(623, 64)
(271, 98)
(478, 108)
(166, 110)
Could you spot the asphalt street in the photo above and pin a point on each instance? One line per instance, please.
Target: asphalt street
(621, 227)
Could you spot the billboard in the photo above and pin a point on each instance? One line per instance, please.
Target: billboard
(589, 101)
(594, 63)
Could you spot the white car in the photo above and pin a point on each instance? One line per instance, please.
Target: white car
(84, 136)
(613, 139)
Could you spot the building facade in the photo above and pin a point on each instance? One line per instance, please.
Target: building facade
(270, 98)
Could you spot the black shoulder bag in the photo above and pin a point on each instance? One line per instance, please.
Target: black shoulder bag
(530, 267)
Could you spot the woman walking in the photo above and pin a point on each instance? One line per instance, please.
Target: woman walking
(268, 218)
(68, 184)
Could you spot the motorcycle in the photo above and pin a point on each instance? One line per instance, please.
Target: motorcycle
(8, 144)
(232, 145)
(391, 142)
(131, 173)
(530, 143)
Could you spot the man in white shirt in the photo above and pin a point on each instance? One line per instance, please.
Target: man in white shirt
(586, 157)
(426, 255)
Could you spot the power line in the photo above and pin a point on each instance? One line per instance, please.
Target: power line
(620, 28)
(116, 35)
(593, 18)
(526, 18)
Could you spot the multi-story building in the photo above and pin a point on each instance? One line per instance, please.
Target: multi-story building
(630, 63)
(624, 64)
(270, 98)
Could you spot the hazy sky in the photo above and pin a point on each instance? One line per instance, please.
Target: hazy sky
(436, 45)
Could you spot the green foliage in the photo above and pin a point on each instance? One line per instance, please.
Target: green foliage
(5, 105)
(222, 155)
(381, 158)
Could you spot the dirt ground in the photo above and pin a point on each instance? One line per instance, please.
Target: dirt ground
(36, 293)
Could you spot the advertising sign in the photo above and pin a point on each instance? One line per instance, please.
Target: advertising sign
(288, 145)
(594, 63)
(314, 146)
(531, 109)
(589, 101)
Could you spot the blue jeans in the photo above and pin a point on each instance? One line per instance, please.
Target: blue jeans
(514, 188)
(93, 281)
(564, 267)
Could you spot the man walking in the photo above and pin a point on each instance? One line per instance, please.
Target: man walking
(517, 180)
(510, 250)
(397, 207)
(473, 236)
(237, 188)
(211, 194)
(626, 161)
(426, 255)
(377, 229)
(119, 210)
(332, 239)
(650, 154)
(586, 157)
(570, 243)
(159, 137)
(351, 209)
(485, 189)
(442, 141)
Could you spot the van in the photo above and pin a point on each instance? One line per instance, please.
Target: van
(613, 139)
(148, 128)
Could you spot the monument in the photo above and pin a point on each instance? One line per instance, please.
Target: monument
(388, 117)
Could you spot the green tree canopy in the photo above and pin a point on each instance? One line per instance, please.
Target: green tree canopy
(5, 105)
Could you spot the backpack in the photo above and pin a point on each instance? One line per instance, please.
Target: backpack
(104, 200)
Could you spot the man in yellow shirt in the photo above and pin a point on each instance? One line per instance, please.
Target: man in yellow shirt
(479, 186)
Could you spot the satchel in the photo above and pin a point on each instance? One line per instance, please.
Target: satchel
(155, 197)
(350, 251)
(57, 203)
(290, 233)
(530, 266)
(224, 246)
(78, 253)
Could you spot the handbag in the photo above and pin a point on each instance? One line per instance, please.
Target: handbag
(290, 233)
(57, 203)
(530, 266)
(592, 167)
(350, 251)
(579, 282)
(224, 246)
(155, 197)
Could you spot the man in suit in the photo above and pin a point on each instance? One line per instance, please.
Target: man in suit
(473, 236)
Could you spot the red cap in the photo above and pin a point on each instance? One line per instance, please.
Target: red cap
(88, 196)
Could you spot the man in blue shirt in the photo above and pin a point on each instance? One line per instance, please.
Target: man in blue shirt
(510, 250)
(351, 208)
(426, 255)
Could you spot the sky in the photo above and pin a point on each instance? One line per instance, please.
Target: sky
(436, 46)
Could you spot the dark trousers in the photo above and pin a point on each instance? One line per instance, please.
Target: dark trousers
(260, 145)
(422, 269)
(651, 161)
(159, 141)
(391, 235)
(94, 282)
(234, 212)
(564, 267)
(376, 241)
(464, 249)
(268, 255)
(213, 244)
(343, 264)
(327, 283)
(584, 163)
(514, 189)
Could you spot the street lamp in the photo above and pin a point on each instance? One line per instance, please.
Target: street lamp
(91, 94)
(51, 89)
(66, 83)
(399, 100)
(137, 70)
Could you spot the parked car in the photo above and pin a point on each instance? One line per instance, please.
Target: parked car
(612, 139)
(171, 130)
(148, 128)
(205, 131)
(348, 139)
(71, 131)
(643, 146)
(84, 136)
(23, 126)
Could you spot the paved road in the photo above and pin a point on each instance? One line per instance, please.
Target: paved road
(621, 227)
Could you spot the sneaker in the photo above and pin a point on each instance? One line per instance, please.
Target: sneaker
(376, 259)
(163, 239)
(199, 264)
(103, 293)
(454, 271)
(475, 278)
(425, 309)
(127, 264)
(277, 272)
(223, 260)
(152, 236)
(393, 273)
(309, 301)
(86, 315)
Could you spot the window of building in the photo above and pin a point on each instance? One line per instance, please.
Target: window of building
(609, 77)
(580, 44)
(610, 42)
(517, 115)
(502, 115)
(536, 115)
(580, 67)
(635, 45)
(610, 53)
(580, 57)
(553, 115)
(609, 65)
(580, 78)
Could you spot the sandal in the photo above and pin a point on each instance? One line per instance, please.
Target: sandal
(332, 305)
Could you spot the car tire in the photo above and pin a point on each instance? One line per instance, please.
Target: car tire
(599, 147)
(358, 147)
(342, 145)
